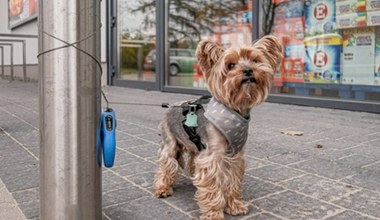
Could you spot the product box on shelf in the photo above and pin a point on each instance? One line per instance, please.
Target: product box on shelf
(290, 27)
(350, 6)
(319, 17)
(373, 18)
(292, 65)
(293, 69)
(352, 20)
(372, 5)
(322, 58)
(289, 19)
(377, 57)
(358, 56)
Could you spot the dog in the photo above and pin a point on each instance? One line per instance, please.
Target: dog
(213, 137)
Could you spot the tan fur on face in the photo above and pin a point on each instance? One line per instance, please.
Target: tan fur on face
(218, 175)
(226, 84)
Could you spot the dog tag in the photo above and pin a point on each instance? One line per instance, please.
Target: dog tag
(191, 120)
(191, 117)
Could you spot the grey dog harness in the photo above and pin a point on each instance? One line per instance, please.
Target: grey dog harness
(229, 122)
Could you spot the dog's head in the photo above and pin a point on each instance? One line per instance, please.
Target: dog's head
(240, 77)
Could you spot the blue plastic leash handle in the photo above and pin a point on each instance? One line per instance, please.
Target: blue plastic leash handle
(108, 136)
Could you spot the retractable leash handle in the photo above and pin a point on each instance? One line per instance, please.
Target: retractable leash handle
(108, 131)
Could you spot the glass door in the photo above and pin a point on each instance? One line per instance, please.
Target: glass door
(137, 44)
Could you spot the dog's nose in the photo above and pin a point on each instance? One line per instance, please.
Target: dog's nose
(247, 72)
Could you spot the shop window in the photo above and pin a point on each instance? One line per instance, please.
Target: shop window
(331, 48)
(227, 22)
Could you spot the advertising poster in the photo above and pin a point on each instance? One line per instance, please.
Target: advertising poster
(377, 56)
(322, 58)
(319, 17)
(21, 11)
(293, 64)
(358, 56)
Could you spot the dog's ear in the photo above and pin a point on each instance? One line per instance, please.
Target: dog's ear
(270, 46)
(208, 53)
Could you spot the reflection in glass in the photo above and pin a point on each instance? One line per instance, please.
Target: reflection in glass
(228, 22)
(324, 54)
(137, 40)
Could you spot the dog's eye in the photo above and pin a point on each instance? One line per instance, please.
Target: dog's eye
(231, 66)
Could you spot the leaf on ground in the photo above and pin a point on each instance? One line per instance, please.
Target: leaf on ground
(318, 146)
(292, 133)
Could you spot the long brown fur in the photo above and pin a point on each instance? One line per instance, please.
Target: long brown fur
(217, 175)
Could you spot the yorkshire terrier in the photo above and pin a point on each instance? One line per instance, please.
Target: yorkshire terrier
(238, 79)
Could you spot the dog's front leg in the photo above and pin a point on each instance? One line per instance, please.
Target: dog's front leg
(235, 167)
(208, 178)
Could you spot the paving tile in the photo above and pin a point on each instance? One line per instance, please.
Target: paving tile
(290, 157)
(27, 195)
(255, 162)
(111, 182)
(130, 142)
(254, 188)
(151, 137)
(126, 194)
(357, 160)
(337, 144)
(29, 202)
(263, 151)
(371, 150)
(327, 168)
(274, 173)
(144, 180)
(291, 205)
(146, 208)
(31, 209)
(145, 151)
(123, 158)
(367, 179)
(183, 196)
(138, 166)
(364, 201)
(263, 216)
(347, 215)
(319, 188)
(23, 179)
(251, 211)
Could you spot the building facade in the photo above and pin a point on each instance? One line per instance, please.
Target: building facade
(331, 48)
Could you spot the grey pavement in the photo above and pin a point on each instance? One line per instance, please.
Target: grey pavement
(330, 172)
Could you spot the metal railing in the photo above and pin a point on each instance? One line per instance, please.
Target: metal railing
(9, 42)
(11, 60)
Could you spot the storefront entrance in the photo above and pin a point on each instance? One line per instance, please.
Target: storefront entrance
(331, 55)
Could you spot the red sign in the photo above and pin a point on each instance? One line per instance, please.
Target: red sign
(320, 11)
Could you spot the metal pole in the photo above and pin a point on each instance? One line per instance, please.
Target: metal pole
(2, 62)
(24, 60)
(70, 177)
(12, 70)
(256, 27)
(112, 37)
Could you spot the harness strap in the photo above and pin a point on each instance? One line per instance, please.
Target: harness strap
(191, 131)
(194, 137)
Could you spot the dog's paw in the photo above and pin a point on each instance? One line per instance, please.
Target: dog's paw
(215, 215)
(163, 193)
(237, 208)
